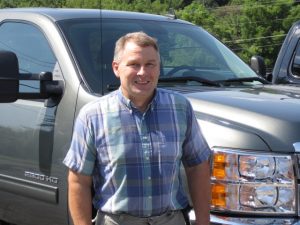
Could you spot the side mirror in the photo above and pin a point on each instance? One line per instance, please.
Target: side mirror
(11, 80)
(257, 63)
(41, 86)
(9, 77)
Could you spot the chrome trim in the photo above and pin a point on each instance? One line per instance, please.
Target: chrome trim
(225, 220)
(29, 189)
(240, 220)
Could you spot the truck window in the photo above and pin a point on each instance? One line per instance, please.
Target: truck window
(84, 38)
(185, 50)
(32, 49)
(296, 63)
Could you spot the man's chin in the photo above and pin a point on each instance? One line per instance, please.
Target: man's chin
(146, 89)
(143, 92)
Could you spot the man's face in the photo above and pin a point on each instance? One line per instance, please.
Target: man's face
(138, 70)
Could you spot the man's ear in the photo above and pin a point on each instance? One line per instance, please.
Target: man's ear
(115, 67)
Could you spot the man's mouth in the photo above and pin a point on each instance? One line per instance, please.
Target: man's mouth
(142, 82)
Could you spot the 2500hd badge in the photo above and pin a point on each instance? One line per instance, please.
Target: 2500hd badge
(41, 177)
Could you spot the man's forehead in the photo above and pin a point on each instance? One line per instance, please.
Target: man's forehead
(132, 44)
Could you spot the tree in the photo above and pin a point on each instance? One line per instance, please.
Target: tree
(262, 32)
(39, 3)
(9, 3)
(227, 26)
(222, 2)
(292, 17)
(252, 27)
(83, 4)
(249, 27)
(196, 13)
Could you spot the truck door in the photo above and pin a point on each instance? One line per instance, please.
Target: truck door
(29, 180)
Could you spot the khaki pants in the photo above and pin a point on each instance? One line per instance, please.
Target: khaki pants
(170, 218)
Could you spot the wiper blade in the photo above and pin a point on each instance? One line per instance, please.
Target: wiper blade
(189, 78)
(244, 79)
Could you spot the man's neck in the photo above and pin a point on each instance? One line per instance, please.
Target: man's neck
(142, 106)
(141, 103)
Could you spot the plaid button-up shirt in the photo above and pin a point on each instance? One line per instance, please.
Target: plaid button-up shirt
(135, 157)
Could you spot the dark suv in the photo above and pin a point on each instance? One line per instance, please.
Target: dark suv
(53, 61)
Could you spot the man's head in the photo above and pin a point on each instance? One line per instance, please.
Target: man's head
(137, 64)
(139, 38)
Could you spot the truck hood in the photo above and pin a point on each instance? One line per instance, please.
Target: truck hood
(263, 118)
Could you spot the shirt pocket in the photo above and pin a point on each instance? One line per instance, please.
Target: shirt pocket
(118, 146)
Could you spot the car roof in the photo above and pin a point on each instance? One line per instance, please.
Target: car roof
(56, 14)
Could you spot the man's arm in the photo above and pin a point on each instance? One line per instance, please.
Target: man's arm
(80, 198)
(200, 190)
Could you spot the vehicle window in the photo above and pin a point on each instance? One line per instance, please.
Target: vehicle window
(296, 63)
(84, 38)
(32, 49)
(185, 50)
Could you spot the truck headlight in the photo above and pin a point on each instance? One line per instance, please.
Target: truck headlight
(259, 183)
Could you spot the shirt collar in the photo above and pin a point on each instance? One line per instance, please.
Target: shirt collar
(126, 102)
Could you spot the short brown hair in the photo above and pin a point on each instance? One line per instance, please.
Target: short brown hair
(140, 38)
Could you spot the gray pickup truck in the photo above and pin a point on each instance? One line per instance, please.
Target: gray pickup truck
(53, 61)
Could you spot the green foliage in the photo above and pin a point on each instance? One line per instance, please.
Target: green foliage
(261, 24)
(8, 4)
(294, 15)
(253, 27)
(227, 26)
(197, 14)
(89, 4)
(31, 3)
(249, 27)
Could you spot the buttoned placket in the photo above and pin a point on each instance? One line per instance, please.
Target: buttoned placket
(143, 130)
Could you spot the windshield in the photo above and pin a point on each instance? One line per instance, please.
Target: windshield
(186, 51)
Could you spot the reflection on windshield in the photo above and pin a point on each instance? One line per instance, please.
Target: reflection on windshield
(186, 51)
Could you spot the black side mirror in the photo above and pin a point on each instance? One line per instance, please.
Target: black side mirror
(9, 77)
(257, 63)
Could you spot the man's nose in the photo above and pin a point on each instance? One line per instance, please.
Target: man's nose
(141, 71)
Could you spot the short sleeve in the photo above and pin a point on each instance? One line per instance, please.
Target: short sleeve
(81, 155)
(195, 147)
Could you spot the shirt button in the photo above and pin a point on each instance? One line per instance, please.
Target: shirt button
(149, 178)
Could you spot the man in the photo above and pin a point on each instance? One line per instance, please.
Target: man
(132, 142)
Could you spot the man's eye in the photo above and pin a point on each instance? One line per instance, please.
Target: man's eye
(150, 65)
(134, 65)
